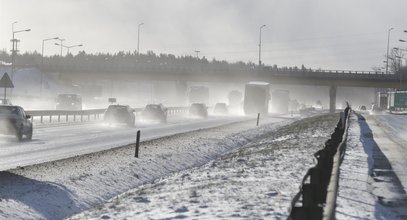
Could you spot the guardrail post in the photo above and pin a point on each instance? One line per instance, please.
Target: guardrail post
(137, 144)
(42, 118)
(50, 118)
(74, 117)
(66, 118)
(258, 119)
(81, 117)
(59, 118)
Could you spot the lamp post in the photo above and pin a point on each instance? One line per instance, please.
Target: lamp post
(42, 62)
(138, 38)
(42, 51)
(69, 47)
(14, 48)
(387, 55)
(61, 40)
(197, 53)
(261, 27)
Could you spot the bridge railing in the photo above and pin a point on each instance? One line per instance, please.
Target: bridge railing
(65, 116)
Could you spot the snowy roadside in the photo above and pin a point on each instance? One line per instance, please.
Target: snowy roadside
(56, 190)
(256, 181)
(368, 187)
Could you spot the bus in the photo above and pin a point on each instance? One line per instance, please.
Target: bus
(256, 98)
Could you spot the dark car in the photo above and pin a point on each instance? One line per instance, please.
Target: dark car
(198, 110)
(154, 113)
(14, 121)
(69, 102)
(220, 109)
(119, 114)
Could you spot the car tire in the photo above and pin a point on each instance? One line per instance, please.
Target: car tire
(19, 135)
(30, 134)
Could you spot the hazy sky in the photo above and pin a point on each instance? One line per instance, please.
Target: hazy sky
(342, 34)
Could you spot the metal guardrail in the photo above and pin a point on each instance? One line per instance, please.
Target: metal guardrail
(84, 115)
(319, 186)
(332, 193)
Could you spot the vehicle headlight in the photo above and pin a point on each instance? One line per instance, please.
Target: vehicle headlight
(72, 103)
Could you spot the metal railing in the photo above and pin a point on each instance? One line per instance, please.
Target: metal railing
(319, 186)
(61, 116)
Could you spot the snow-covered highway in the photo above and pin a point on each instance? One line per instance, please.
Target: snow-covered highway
(59, 142)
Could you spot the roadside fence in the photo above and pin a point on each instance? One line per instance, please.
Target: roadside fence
(319, 187)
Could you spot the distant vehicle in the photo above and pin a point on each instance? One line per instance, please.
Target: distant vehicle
(69, 102)
(5, 102)
(220, 109)
(256, 98)
(235, 98)
(120, 114)
(14, 121)
(198, 94)
(155, 113)
(307, 110)
(375, 109)
(362, 108)
(382, 100)
(198, 110)
(280, 100)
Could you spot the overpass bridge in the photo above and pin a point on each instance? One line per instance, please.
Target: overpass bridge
(280, 76)
(331, 78)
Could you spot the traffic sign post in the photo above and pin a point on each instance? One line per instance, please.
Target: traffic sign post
(5, 82)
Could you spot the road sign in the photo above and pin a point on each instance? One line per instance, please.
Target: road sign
(5, 82)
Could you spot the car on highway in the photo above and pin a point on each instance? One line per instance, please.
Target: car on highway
(14, 121)
(120, 114)
(220, 109)
(68, 102)
(154, 112)
(198, 110)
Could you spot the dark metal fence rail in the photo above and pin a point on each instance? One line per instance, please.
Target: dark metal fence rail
(58, 116)
(314, 193)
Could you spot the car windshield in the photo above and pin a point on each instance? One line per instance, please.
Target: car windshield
(8, 110)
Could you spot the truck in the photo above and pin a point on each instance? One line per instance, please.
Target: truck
(256, 98)
(68, 102)
(198, 94)
(280, 100)
(397, 100)
(382, 100)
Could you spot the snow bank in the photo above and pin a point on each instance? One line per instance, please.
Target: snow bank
(256, 181)
(59, 189)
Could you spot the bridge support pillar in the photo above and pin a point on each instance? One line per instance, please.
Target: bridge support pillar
(332, 99)
(181, 92)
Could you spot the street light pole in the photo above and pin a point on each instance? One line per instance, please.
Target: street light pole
(42, 62)
(61, 40)
(387, 55)
(261, 27)
(138, 38)
(14, 49)
(197, 53)
(42, 51)
(68, 47)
